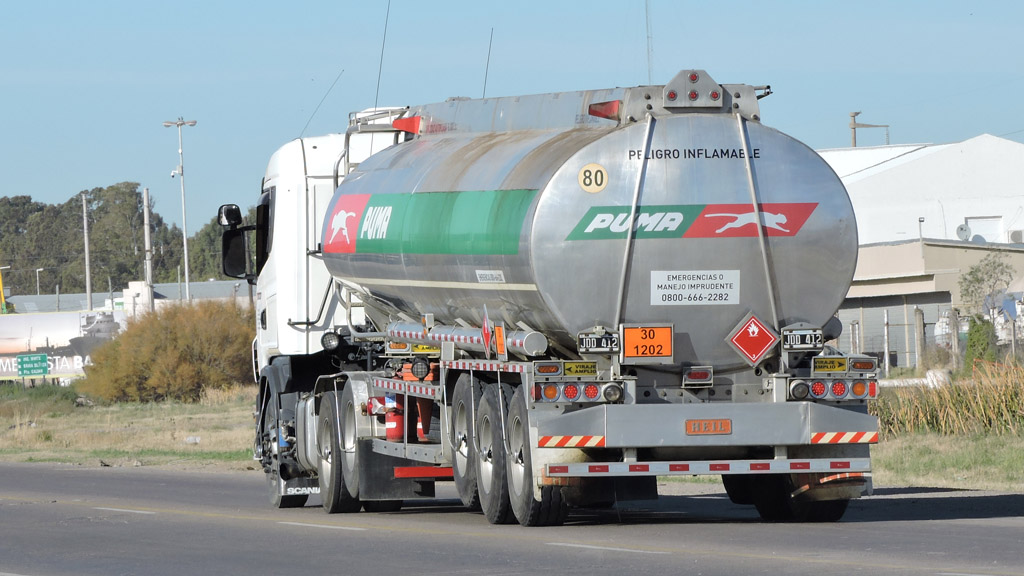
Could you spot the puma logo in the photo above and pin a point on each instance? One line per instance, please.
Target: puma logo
(340, 223)
(769, 219)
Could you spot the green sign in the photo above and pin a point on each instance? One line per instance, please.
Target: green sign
(32, 365)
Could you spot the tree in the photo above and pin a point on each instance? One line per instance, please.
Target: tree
(989, 277)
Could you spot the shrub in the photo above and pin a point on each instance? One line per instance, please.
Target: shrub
(981, 342)
(175, 353)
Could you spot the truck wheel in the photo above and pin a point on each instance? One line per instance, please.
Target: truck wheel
(774, 501)
(740, 488)
(552, 509)
(382, 505)
(490, 459)
(465, 397)
(349, 455)
(277, 500)
(334, 493)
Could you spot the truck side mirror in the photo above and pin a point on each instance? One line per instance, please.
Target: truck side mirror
(233, 253)
(229, 215)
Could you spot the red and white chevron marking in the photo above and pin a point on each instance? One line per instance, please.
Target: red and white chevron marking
(411, 388)
(394, 385)
(410, 334)
(571, 442)
(486, 366)
(462, 339)
(844, 438)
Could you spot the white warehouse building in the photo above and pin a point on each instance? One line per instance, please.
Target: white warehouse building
(926, 214)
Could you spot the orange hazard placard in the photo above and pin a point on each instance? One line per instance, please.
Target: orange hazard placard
(647, 342)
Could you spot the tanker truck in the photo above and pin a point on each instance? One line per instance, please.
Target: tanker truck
(553, 301)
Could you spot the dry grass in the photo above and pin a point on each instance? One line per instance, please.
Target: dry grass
(991, 402)
(215, 432)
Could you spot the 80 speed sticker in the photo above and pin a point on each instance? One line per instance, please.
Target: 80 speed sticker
(694, 287)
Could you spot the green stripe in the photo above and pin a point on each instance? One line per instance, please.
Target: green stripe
(483, 222)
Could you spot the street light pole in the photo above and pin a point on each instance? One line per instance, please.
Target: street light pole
(180, 171)
(38, 270)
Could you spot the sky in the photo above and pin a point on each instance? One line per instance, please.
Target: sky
(86, 86)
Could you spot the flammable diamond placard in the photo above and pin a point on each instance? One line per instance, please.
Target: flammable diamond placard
(753, 339)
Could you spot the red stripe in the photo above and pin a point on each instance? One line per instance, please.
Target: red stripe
(799, 465)
(597, 468)
(544, 440)
(639, 468)
(839, 465)
(760, 466)
(816, 438)
(719, 467)
(558, 470)
(422, 472)
(562, 441)
(678, 467)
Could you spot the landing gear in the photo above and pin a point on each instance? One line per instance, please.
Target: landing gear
(552, 509)
(335, 494)
(464, 399)
(490, 456)
(775, 502)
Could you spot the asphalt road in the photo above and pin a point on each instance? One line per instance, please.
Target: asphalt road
(58, 519)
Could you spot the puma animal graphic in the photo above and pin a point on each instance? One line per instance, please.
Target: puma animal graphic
(769, 219)
(340, 222)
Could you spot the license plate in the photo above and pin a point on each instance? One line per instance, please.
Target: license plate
(721, 426)
(803, 340)
(597, 343)
(828, 364)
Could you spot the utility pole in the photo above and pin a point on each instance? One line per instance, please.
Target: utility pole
(88, 276)
(854, 125)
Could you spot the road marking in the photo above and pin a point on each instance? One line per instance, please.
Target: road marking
(123, 510)
(329, 527)
(568, 545)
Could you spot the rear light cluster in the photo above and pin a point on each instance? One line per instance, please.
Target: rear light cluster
(832, 389)
(577, 392)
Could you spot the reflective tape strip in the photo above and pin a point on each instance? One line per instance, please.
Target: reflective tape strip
(849, 467)
(844, 438)
(571, 441)
(410, 388)
(486, 366)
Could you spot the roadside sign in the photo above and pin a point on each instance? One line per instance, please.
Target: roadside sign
(32, 365)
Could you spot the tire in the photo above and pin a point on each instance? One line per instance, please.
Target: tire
(348, 420)
(740, 488)
(277, 500)
(552, 509)
(382, 505)
(774, 503)
(492, 482)
(334, 494)
(464, 399)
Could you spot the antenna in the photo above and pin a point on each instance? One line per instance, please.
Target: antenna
(380, 67)
(338, 77)
(487, 66)
(650, 40)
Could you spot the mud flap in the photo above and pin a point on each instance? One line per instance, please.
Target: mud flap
(302, 486)
(377, 476)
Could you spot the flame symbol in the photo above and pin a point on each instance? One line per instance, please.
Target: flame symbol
(752, 330)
